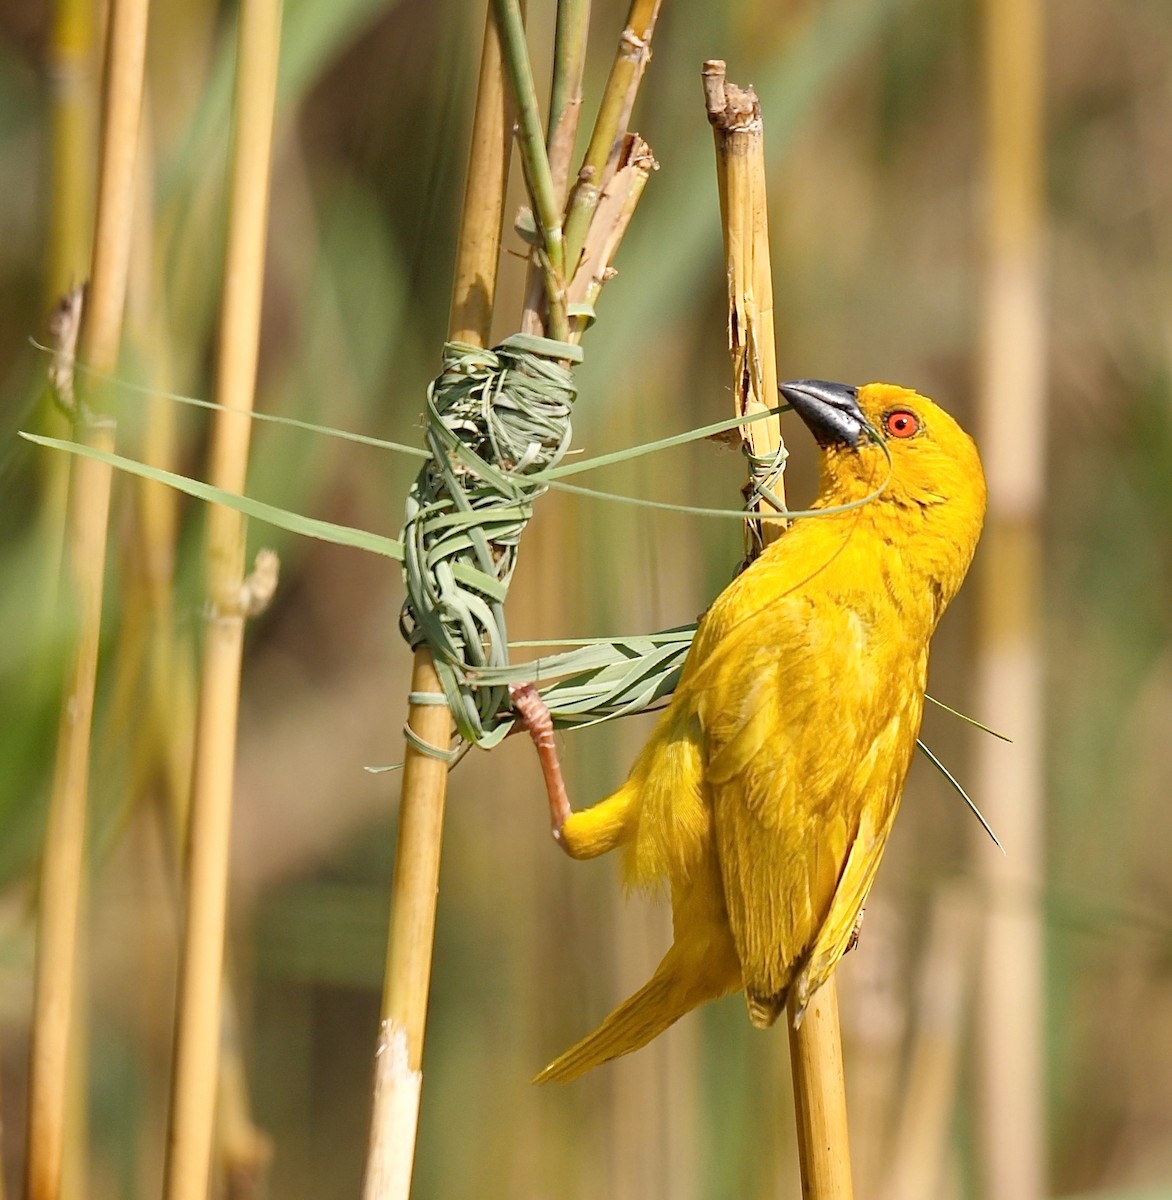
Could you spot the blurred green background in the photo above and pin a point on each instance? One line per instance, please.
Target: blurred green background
(872, 112)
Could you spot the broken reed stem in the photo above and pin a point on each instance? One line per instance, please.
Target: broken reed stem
(613, 214)
(1010, 1010)
(610, 125)
(193, 1095)
(63, 865)
(735, 115)
(398, 1077)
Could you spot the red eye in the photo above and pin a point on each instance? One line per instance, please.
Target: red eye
(901, 423)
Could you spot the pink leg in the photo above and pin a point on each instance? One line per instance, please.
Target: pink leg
(533, 715)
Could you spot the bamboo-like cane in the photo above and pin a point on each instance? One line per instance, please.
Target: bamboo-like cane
(1009, 1010)
(398, 1077)
(63, 866)
(610, 125)
(90, 485)
(194, 1081)
(735, 115)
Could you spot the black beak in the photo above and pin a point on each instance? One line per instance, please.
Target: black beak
(830, 410)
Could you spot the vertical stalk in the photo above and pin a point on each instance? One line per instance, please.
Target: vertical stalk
(1010, 1037)
(63, 866)
(474, 287)
(194, 1080)
(735, 116)
(610, 125)
(546, 205)
(398, 1074)
(71, 53)
(565, 93)
(89, 497)
(820, 1098)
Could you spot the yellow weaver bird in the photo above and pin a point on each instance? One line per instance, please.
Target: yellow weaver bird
(767, 790)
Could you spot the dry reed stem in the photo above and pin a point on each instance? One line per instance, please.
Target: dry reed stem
(399, 1057)
(735, 116)
(474, 288)
(89, 491)
(616, 207)
(63, 865)
(1010, 1010)
(72, 102)
(398, 1077)
(71, 71)
(820, 1098)
(610, 125)
(194, 1080)
(919, 1160)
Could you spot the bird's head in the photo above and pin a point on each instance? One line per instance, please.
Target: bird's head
(882, 432)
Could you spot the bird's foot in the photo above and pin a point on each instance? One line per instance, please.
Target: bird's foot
(534, 716)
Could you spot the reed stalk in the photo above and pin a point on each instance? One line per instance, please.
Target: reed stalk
(735, 116)
(610, 125)
(1010, 1022)
(194, 1080)
(918, 1163)
(71, 82)
(474, 286)
(398, 1062)
(565, 93)
(63, 865)
(62, 883)
(546, 207)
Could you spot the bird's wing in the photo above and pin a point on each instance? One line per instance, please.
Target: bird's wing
(787, 735)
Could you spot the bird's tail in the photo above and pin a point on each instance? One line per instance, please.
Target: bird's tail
(674, 989)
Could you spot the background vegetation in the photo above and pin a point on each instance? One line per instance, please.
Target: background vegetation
(873, 119)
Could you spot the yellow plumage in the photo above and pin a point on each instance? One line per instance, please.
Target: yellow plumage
(766, 793)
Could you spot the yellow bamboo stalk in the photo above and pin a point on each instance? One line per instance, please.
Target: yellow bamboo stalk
(474, 288)
(820, 1098)
(63, 866)
(610, 125)
(1010, 1023)
(194, 1082)
(735, 116)
(398, 1076)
